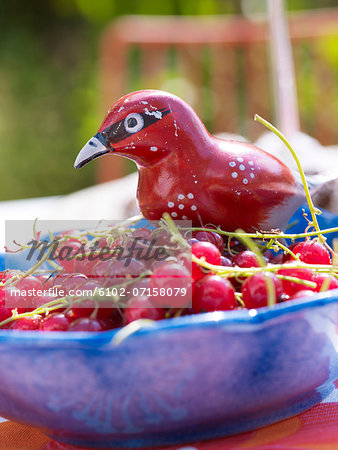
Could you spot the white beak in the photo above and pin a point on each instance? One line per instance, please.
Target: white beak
(93, 149)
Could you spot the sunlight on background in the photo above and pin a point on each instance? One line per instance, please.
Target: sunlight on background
(49, 83)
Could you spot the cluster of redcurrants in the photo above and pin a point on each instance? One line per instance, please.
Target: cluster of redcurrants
(224, 275)
(289, 280)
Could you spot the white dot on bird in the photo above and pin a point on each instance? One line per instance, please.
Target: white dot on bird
(195, 182)
(156, 114)
(180, 197)
(193, 208)
(171, 204)
(242, 167)
(180, 206)
(252, 175)
(190, 195)
(174, 214)
(245, 180)
(184, 217)
(250, 163)
(153, 149)
(252, 168)
(240, 159)
(232, 163)
(234, 174)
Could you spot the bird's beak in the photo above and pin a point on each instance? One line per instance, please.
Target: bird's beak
(95, 147)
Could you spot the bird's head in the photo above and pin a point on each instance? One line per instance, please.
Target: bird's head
(144, 126)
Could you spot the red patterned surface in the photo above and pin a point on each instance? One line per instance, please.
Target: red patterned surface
(314, 429)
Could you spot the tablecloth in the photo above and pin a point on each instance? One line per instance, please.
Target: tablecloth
(314, 429)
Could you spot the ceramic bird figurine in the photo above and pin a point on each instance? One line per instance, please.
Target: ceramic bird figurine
(185, 171)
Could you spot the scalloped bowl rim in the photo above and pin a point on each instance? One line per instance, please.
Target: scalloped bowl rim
(239, 318)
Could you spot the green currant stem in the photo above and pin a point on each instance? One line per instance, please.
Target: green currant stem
(325, 285)
(179, 312)
(130, 329)
(247, 271)
(286, 250)
(307, 283)
(250, 244)
(239, 299)
(270, 244)
(313, 210)
(35, 266)
(258, 235)
(38, 311)
(174, 230)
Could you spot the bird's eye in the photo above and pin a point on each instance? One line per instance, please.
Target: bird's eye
(133, 123)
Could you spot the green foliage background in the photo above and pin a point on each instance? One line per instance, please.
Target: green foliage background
(49, 83)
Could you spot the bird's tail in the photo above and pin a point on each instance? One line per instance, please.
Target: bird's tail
(317, 181)
(322, 187)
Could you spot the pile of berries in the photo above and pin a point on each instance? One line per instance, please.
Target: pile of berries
(206, 271)
(246, 281)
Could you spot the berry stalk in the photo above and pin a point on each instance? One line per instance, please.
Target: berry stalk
(314, 211)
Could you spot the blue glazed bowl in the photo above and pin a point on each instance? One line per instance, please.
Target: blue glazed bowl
(180, 380)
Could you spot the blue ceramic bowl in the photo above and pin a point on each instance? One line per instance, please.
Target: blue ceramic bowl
(180, 380)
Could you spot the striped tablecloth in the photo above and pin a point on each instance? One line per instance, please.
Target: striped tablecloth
(314, 429)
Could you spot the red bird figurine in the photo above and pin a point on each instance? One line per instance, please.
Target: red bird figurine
(185, 171)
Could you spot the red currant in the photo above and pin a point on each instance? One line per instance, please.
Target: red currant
(54, 322)
(68, 253)
(117, 318)
(26, 323)
(209, 236)
(291, 287)
(143, 233)
(226, 262)
(65, 282)
(211, 254)
(142, 308)
(85, 324)
(255, 290)
(312, 252)
(245, 259)
(29, 283)
(8, 301)
(303, 293)
(114, 271)
(170, 285)
(331, 283)
(213, 293)
(41, 300)
(110, 324)
(83, 309)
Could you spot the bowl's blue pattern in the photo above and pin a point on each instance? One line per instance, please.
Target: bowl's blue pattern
(184, 379)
